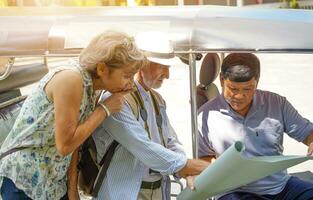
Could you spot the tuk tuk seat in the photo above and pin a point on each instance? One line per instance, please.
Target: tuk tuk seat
(23, 75)
(209, 71)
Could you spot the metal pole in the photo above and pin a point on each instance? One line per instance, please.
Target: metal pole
(194, 122)
(222, 56)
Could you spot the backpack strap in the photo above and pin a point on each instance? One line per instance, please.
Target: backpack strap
(11, 104)
(104, 163)
(157, 100)
(12, 151)
(136, 103)
(132, 102)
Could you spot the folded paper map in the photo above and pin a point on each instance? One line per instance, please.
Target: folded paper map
(232, 170)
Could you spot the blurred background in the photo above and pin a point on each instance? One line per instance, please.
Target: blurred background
(287, 74)
(302, 4)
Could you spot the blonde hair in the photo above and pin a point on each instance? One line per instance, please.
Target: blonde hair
(115, 49)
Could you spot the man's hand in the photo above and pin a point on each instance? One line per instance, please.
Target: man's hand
(309, 141)
(190, 180)
(193, 167)
(191, 170)
(310, 149)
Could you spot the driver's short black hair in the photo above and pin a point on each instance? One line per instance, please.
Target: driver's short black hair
(240, 67)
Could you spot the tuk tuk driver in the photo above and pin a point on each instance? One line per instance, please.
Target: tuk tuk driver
(259, 119)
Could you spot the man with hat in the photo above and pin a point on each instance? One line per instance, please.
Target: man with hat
(149, 150)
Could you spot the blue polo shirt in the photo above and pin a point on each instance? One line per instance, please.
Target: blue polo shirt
(261, 131)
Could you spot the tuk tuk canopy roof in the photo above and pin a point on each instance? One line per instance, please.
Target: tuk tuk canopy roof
(64, 31)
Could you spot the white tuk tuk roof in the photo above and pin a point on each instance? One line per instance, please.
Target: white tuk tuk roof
(57, 31)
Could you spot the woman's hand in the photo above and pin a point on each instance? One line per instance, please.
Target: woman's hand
(116, 101)
(72, 175)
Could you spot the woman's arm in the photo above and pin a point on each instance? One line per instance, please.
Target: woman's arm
(65, 90)
(72, 175)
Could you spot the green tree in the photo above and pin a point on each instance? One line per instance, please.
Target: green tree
(292, 3)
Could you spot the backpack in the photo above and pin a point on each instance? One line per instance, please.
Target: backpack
(91, 173)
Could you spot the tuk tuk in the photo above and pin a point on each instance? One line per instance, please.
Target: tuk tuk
(48, 33)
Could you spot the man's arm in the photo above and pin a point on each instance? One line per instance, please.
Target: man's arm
(296, 126)
(124, 128)
(127, 130)
(209, 159)
(309, 142)
(172, 140)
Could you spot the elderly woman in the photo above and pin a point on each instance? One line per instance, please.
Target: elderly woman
(61, 113)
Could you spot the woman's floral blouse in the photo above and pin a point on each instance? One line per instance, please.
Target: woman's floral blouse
(39, 170)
